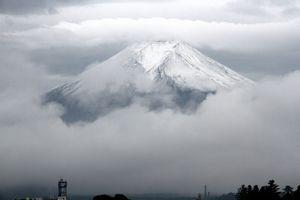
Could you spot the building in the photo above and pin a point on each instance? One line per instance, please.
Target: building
(62, 190)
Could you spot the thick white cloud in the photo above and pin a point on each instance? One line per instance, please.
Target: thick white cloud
(67, 47)
(242, 136)
(235, 11)
(223, 36)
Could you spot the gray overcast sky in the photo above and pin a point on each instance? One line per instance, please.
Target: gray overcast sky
(232, 31)
(45, 43)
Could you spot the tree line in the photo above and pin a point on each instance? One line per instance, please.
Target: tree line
(271, 191)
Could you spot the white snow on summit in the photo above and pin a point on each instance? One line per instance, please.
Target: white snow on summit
(185, 65)
(176, 61)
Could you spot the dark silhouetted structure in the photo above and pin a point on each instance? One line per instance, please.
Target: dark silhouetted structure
(199, 197)
(62, 189)
(107, 197)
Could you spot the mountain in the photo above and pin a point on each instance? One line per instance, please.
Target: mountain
(158, 75)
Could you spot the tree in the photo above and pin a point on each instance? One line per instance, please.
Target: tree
(107, 197)
(296, 194)
(103, 197)
(255, 195)
(242, 193)
(287, 193)
(263, 193)
(272, 191)
(249, 192)
(120, 197)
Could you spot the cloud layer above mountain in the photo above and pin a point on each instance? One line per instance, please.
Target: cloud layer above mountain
(253, 49)
(242, 136)
(234, 32)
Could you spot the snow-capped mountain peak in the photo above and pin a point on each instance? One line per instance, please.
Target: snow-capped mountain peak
(180, 77)
(180, 63)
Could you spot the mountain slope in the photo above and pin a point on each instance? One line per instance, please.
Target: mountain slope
(158, 75)
(183, 64)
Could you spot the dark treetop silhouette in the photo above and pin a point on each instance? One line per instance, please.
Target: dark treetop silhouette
(267, 192)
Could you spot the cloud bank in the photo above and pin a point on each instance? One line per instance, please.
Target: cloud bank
(253, 49)
(245, 136)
